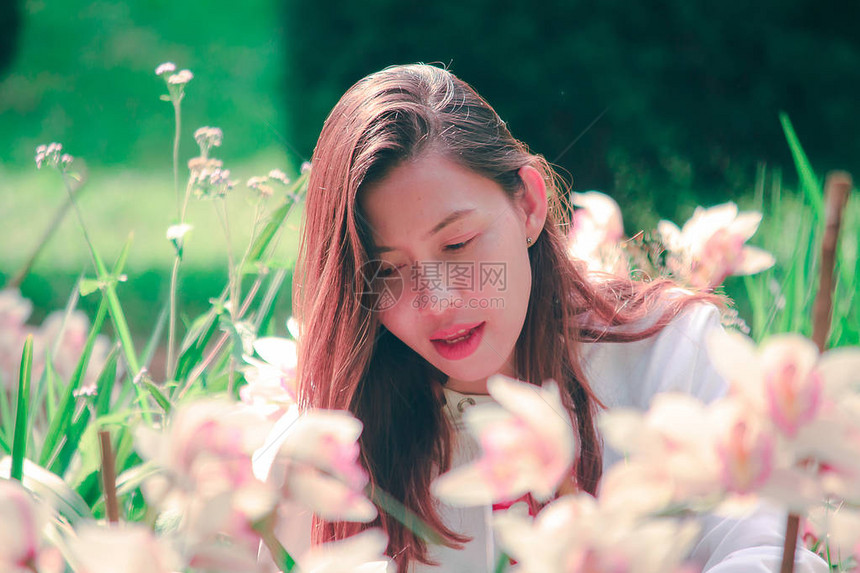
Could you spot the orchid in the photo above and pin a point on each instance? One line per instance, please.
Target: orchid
(809, 400)
(527, 446)
(580, 533)
(361, 553)
(672, 443)
(22, 520)
(596, 232)
(312, 458)
(711, 245)
(207, 479)
(130, 548)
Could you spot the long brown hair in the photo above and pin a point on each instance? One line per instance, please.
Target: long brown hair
(347, 360)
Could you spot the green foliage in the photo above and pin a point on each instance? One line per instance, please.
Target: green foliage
(781, 298)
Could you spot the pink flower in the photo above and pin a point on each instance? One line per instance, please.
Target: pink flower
(781, 379)
(596, 232)
(711, 245)
(810, 404)
(312, 458)
(21, 522)
(580, 533)
(527, 446)
(670, 445)
(747, 453)
(206, 475)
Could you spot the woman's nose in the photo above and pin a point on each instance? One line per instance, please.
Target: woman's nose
(433, 292)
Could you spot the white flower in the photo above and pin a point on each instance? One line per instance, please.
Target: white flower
(711, 245)
(180, 78)
(130, 548)
(313, 458)
(579, 533)
(279, 175)
(271, 384)
(176, 233)
(596, 232)
(165, 68)
(361, 553)
(527, 445)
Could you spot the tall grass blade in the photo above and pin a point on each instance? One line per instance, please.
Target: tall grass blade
(277, 218)
(22, 412)
(808, 181)
(60, 423)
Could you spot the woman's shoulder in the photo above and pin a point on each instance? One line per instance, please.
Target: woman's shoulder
(674, 359)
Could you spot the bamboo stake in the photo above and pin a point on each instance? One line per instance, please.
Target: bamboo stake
(836, 189)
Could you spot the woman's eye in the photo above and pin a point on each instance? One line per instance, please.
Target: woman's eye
(457, 246)
(386, 272)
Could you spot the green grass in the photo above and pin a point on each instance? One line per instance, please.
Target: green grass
(116, 204)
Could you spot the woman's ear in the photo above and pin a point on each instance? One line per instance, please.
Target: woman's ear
(532, 201)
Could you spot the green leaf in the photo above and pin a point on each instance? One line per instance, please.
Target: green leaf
(156, 393)
(104, 385)
(51, 488)
(60, 422)
(88, 286)
(194, 347)
(809, 182)
(277, 218)
(19, 442)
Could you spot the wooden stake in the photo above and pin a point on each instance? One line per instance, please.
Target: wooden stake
(109, 477)
(836, 189)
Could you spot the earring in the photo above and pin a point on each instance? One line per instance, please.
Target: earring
(529, 241)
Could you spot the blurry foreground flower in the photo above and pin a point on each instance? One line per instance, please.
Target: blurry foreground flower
(811, 402)
(21, 522)
(361, 553)
(596, 232)
(711, 245)
(579, 533)
(527, 446)
(312, 458)
(271, 387)
(129, 548)
(206, 477)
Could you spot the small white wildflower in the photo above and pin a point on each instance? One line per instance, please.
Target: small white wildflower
(207, 138)
(52, 156)
(165, 68)
(279, 175)
(177, 232)
(260, 185)
(306, 166)
(180, 78)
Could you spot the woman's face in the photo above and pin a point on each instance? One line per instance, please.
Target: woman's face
(455, 276)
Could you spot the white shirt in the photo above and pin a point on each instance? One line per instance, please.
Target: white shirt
(630, 374)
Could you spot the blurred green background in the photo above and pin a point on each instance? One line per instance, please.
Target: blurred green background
(664, 104)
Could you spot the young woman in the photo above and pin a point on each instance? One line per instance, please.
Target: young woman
(433, 256)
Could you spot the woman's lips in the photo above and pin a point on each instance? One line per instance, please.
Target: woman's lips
(453, 332)
(465, 344)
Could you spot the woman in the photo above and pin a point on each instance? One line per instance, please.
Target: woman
(433, 256)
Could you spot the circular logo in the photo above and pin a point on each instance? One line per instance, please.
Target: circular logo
(379, 286)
